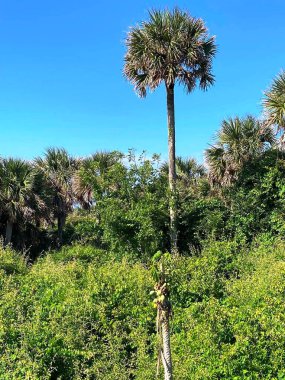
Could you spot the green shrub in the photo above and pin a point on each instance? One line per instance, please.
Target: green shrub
(11, 262)
(74, 319)
(83, 228)
(82, 313)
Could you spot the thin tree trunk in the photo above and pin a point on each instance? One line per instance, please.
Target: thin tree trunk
(9, 230)
(60, 224)
(172, 170)
(163, 317)
(166, 348)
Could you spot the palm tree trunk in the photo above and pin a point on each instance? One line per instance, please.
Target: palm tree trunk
(60, 224)
(9, 230)
(172, 171)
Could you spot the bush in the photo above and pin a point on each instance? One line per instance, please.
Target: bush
(11, 262)
(82, 313)
(83, 228)
(74, 319)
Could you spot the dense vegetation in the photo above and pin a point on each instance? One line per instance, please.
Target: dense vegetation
(84, 240)
(120, 203)
(85, 310)
(82, 313)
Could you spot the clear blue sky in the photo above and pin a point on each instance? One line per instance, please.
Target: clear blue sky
(61, 78)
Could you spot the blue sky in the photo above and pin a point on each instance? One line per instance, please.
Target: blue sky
(61, 80)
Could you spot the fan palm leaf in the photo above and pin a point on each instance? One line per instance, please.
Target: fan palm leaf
(239, 141)
(58, 167)
(274, 102)
(16, 193)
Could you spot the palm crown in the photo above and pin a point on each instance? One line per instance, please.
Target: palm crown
(17, 181)
(170, 47)
(91, 174)
(274, 102)
(58, 168)
(17, 197)
(239, 141)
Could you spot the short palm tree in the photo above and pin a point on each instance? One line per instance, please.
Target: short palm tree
(91, 174)
(16, 193)
(58, 168)
(274, 103)
(171, 48)
(239, 141)
(187, 170)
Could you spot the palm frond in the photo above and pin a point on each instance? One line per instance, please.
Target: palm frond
(274, 102)
(239, 141)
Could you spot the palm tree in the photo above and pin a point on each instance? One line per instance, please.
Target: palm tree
(239, 141)
(188, 171)
(274, 103)
(91, 175)
(16, 193)
(174, 48)
(218, 166)
(58, 168)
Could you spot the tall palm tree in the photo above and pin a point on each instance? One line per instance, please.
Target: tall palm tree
(174, 48)
(239, 141)
(274, 103)
(16, 193)
(58, 168)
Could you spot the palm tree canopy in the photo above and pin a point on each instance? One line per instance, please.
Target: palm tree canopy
(245, 137)
(58, 168)
(90, 175)
(16, 188)
(238, 141)
(217, 164)
(274, 102)
(187, 169)
(172, 46)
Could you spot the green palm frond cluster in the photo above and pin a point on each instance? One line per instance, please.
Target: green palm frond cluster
(90, 175)
(171, 47)
(238, 141)
(16, 189)
(187, 170)
(274, 102)
(58, 167)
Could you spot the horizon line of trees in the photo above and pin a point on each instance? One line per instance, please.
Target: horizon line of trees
(42, 193)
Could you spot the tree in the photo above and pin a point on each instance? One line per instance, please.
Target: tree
(58, 168)
(90, 178)
(188, 172)
(274, 102)
(16, 193)
(238, 142)
(174, 48)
